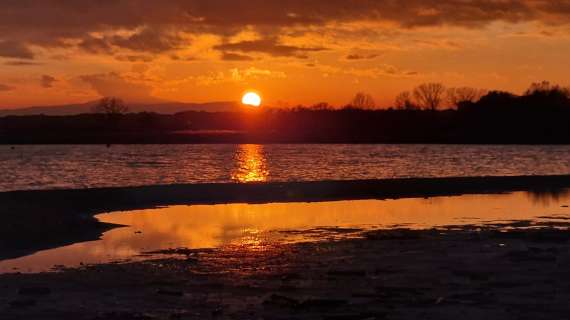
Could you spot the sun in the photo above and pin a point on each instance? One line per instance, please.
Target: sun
(251, 99)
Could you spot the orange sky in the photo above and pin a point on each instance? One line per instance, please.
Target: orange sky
(293, 52)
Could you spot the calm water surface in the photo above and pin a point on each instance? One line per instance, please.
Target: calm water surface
(63, 166)
(257, 225)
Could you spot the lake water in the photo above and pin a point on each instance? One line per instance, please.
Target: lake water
(76, 166)
(257, 226)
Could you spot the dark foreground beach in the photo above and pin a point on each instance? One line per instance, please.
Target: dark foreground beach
(396, 274)
(514, 270)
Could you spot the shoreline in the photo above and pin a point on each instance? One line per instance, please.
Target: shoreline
(92, 201)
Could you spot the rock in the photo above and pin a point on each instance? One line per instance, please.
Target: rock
(347, 273)
(322, 303)
(22, 303)
(124, 315)
(281, 301)
(171, 293)
(34, 291)
(191, 260)
(218, 312)
(180, 315)
(356, 316)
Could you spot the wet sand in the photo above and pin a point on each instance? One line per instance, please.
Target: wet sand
(396, 274)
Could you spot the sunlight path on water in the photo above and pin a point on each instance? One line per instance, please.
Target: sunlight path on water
(77, 167)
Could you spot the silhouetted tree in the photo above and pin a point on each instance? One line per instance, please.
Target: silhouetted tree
(405, 101)
(494, 99)
(322, 106)
(429, 95)
(463, 95)
(363, 101)
(111, 106)
(545, 94)
(545, 88)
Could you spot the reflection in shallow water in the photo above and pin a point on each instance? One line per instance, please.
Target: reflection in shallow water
(251, 164)
(547, 197)
(253, 225)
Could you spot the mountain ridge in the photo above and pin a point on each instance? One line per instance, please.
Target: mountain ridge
(162, 108)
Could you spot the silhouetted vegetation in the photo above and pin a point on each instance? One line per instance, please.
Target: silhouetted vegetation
(459, 96)
(110, 106)
(405, 101)
(362, 101)
(540, 115)
(429, 95)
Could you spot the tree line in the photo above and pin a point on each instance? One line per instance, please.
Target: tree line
(435, 96)
(540, 115)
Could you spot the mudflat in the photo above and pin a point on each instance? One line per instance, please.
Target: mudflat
(501, 272)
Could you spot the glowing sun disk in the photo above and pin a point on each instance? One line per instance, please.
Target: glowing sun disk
(251, 99)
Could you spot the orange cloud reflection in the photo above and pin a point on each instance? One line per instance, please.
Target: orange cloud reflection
(251, 164)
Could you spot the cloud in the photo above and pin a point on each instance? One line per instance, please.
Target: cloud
(357, 56)
(20, 63)
(95, 45)
(236, 75)
(14, 49)
(47, 81)
(145, 41)
(60, 18)
(149, 40)
(255, 73)
(116, 85)
(228, 56)
(135, 58)
(4, 87)
(383, 70)
(268, 46)
(149, 26)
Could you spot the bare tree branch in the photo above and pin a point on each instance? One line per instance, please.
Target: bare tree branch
(429, 95)
(363, 101)
(111, 106)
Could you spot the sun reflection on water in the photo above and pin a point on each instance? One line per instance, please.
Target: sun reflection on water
(250, 164)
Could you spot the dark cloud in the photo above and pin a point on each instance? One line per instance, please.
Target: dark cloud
(47, 81)
(14, 49)
(47, 22)
(228, 56)
(20, 63)
(65, 16)
(4, 87)
(268, 46)
(357, 56)
(149, 40)
(95, 45)
(184, 58)
(135, 58)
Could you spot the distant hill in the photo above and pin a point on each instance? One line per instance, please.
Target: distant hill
(162, 108)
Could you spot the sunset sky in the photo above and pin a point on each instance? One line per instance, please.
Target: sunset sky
(292, 51)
